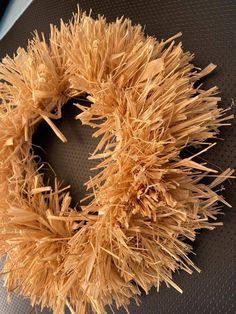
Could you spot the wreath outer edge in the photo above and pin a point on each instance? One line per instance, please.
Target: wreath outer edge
(146, 199)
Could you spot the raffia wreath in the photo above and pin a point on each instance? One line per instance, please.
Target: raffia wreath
(146, 199)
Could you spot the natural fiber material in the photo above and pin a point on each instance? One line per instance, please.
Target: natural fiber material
(146, 200)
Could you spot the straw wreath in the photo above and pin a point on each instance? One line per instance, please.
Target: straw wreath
(145, 201)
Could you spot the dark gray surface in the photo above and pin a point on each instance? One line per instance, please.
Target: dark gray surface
(209, 30)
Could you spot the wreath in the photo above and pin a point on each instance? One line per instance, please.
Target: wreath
(146, 199)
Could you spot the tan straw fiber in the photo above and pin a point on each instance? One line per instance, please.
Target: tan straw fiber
(146, 106)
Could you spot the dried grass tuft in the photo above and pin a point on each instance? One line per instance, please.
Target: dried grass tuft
(146, 107)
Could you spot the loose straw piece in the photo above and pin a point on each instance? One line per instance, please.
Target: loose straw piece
(41, 190)
(58, 133)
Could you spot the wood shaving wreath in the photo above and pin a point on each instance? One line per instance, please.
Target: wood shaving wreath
(145, 201)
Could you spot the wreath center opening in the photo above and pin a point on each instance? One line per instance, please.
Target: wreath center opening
(69, 161)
